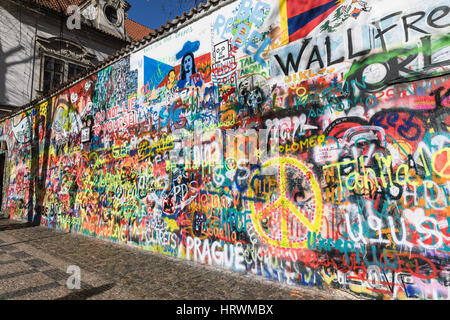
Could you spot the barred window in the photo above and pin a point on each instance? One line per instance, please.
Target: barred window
(53, 73)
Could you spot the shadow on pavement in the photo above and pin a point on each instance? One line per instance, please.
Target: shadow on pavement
(87, 293)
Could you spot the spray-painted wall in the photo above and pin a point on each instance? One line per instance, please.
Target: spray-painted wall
(302, 141)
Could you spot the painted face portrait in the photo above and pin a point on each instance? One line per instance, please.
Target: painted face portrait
(171, 80)
(188, 69)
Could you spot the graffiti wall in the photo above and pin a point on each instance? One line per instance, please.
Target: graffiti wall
(301, 141)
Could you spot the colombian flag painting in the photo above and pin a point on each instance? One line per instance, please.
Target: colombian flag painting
(299, 17)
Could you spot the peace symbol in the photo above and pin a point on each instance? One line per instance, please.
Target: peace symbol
(286, 220)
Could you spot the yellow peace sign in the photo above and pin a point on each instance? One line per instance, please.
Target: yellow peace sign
(284, 223)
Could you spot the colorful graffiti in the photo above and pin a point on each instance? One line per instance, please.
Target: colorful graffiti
(308, 144)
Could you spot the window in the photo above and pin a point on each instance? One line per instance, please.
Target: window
(74, 70)
(61, 60)
(56, 71)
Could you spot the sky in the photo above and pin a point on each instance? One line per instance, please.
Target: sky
(154, 13)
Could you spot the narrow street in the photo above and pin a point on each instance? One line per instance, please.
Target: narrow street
(34, 262)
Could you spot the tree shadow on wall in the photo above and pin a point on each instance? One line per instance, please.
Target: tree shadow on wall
(4, 68)
(73, 190)
(41, 133)
(87, 293)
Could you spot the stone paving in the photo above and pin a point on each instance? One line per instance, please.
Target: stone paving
(34, 262)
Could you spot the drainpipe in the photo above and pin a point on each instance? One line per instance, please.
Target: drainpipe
(61, 30)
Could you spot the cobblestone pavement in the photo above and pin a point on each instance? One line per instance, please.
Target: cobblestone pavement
(34, 262)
